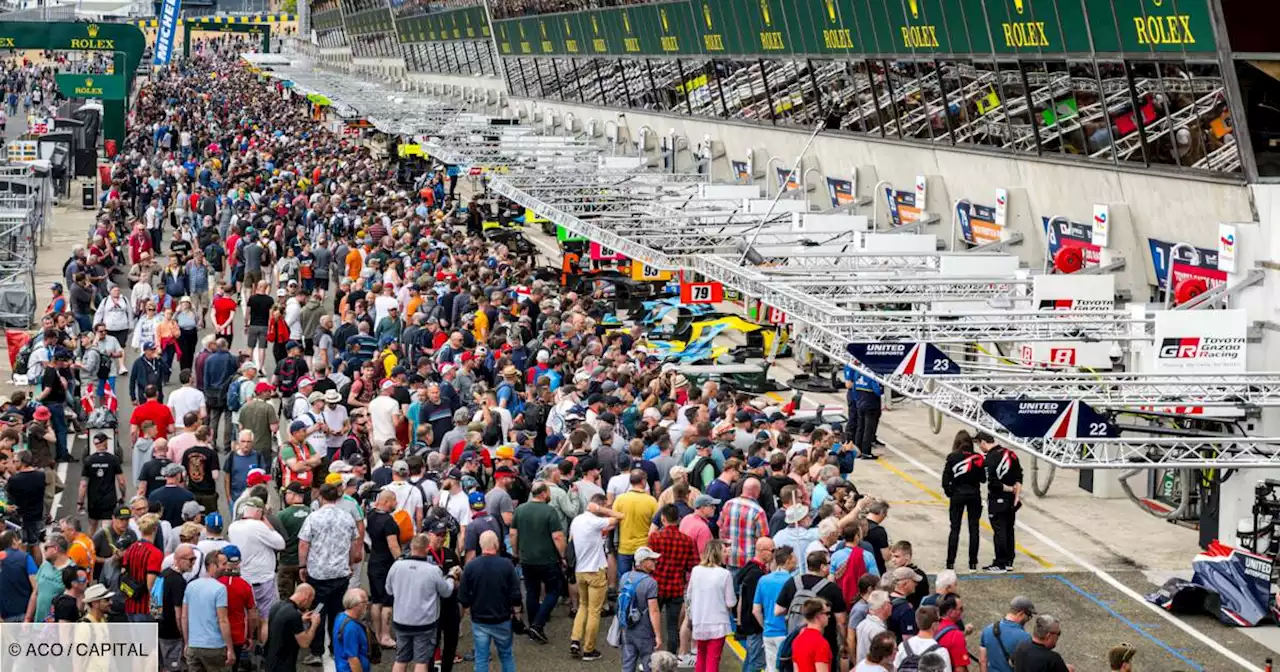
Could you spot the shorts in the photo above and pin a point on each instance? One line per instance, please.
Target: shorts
(100, 514)
(415, 647)
(171, 651)
(378, 586)
(257, 337)
(32, 533)
(252, 278)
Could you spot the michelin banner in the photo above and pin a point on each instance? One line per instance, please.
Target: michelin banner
(168, 32)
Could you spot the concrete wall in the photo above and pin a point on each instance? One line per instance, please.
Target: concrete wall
(1143, 204)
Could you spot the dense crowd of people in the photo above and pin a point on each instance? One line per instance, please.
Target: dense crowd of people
(398, 429)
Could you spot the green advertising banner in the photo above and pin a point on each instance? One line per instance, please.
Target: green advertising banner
(856, 28)
(469, 23)
(102, 87)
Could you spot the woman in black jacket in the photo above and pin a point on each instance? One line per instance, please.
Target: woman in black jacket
(962, 480)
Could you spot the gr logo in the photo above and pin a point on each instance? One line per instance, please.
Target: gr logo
(1180, 348)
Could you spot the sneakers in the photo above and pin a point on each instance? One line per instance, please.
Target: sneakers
(973, 567)
(993, 568)
(537, 635)
(575, 650)
(687, 661)
(591, 655)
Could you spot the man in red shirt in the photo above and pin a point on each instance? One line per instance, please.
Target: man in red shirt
(809, 650)
(141, 564)
(154, 411)
(950, 634)
(242, 610)
(139, 242)
(224, 312)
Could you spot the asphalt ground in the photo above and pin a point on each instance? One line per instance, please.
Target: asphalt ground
(1095, 614)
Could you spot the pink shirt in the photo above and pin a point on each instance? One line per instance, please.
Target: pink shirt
(697, 529)
(179, 445)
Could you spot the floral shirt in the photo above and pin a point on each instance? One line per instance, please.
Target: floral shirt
(329, 531)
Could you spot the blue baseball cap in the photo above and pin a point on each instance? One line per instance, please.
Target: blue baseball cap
(477, 501)
(213, 521)
(232, 552)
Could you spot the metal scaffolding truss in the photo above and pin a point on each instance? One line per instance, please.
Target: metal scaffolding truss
(22, 222)
(1128, 390)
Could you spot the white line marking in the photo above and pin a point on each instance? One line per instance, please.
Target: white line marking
(1113, 581)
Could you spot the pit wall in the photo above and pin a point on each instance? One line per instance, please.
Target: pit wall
(1142, 204)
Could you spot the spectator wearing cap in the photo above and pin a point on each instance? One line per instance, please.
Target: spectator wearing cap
(457, 434)
(291, 518)
(902, 618)
(173, 496)
(385, 414)
(243, 609)
(102, 486)
(409, 498)
(147, 371)
(797, 534)
(258, 542)
(317, 427)
(153, 410)
(1001, 639)
(299, 462)
(290, 370)
(481, 521)
(300, 403)
(337, 422)
(214, 534)
(104, 541)
(259, 417)
(641, 639)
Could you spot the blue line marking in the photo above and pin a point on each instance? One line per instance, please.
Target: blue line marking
(1176, 653)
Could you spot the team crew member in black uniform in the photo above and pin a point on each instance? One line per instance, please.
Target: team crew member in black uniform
(1004, 481)
(102, 489)
(962, 480)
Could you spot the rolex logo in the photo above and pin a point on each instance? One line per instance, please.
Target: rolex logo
(662, 15)
(93, 30)
(764, 13)
(542, 27)
(831, 10)
(915, 8)
(1019, 6)
(88, 82)
(626, 23)
(706, 15)
(567, 30)
(595, 25)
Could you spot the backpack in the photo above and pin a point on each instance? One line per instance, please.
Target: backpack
(516, 403)
(441, 514)
(233, 394)
(21, 362)
(698, 468)
(795, 611)
(289, 378)
(786, 661)
(104, 366)
(404, 520)
(629, 612)
(157, 598)
(911, 663)
(286, 406)
(375, 651)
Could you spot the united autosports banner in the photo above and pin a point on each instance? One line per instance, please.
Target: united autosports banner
(168, 31)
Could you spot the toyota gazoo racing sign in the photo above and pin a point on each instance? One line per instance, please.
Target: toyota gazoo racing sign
(1074, 292)
(1050, 419)
(1196, 342)
(904, 358)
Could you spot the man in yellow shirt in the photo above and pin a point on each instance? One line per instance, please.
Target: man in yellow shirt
(480, 328)
(637, 507)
